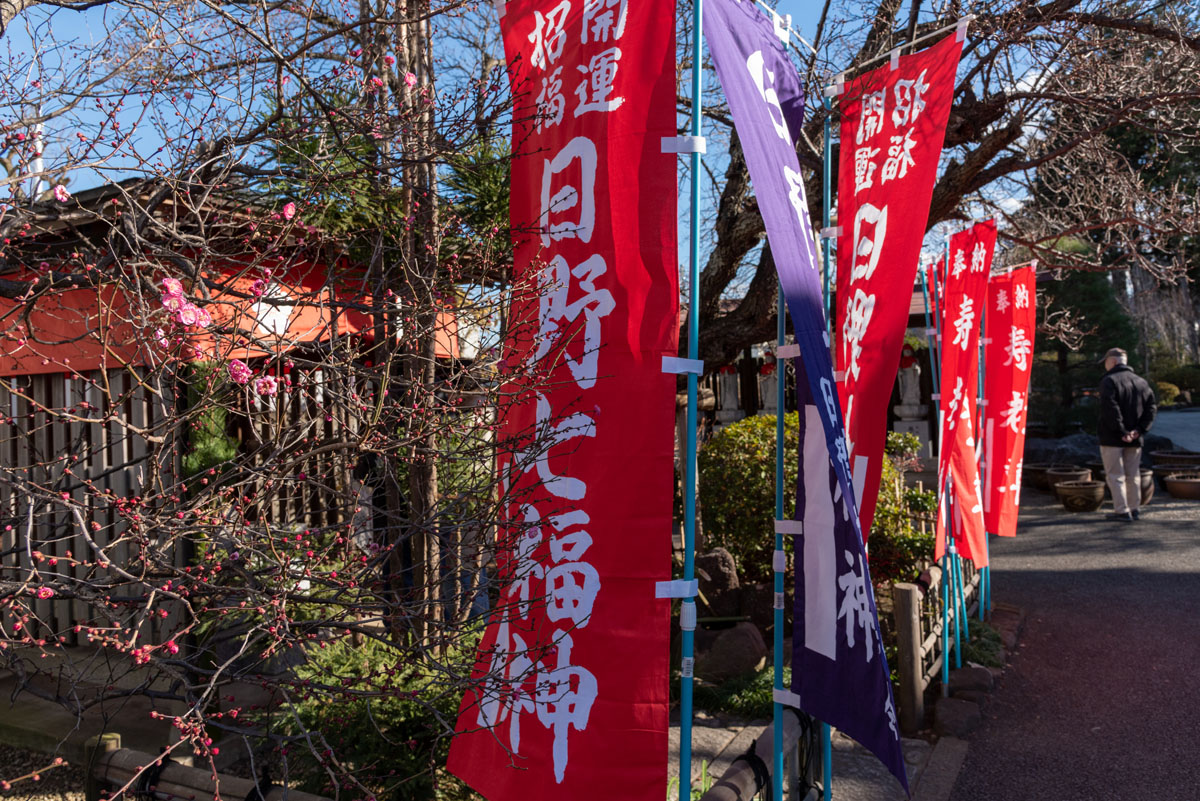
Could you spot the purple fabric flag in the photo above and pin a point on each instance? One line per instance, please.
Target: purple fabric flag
(839, 669)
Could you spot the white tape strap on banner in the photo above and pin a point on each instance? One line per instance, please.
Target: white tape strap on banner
(678, 365)
(779, 600)
(783, 24)
(832, 232)
(779, 561)
(981, 403)
(960, 31)
(789, 527)
(684, 144)
(687, 616)
(931, 332)
(787, 352)
(894, 59)
(500, 4)
(837, 88)
(687, 665)
(786, 697)
(839, 376)
(677, 589)
(936, 396)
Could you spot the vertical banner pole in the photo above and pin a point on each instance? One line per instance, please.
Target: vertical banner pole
(826, 205)
(777, 714)
(943, 489)
(986, 469)
(687, 613)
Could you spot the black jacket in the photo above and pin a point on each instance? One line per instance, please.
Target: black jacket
(1126, 403)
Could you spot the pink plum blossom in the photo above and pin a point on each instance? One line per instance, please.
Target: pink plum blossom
(187, 315)
(289, 211)
(266, 385)
(239, 372)
(45, 592)
(61, 194)
(410, 79)
(160, 337)
(173, 303)
(203, 318)
(172, 287)
(258, 288)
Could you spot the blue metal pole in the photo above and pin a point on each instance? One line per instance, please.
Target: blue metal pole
(777, 752)
(987, 465)
(688, 611)
(945, 626)
(827, 264)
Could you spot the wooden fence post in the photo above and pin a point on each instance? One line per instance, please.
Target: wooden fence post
(93, 749)
(906, 609)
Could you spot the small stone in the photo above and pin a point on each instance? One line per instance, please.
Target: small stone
(971, 678)
(736, 651)
(955, 717)
(719, 586)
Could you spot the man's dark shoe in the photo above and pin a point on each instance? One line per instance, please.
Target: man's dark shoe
(1126, 516)
(1135, 514)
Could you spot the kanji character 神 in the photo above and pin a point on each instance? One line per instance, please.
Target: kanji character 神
(856, 606)
(565, 696)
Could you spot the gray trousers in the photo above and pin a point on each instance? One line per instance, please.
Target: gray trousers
(1122, 468)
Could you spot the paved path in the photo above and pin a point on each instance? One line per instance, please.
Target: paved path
(1181, 427)
(1101, 699)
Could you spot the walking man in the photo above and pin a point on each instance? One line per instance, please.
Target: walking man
(1127, 409)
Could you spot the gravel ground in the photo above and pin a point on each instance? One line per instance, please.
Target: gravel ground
(1100, 699)
(63, 783)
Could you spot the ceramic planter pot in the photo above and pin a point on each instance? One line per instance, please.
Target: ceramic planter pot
(1183, 485)
(1081, 495)
(1176, 457)
(1147, 479)
(1034, 473)
(1056, 475)
(1161, 471)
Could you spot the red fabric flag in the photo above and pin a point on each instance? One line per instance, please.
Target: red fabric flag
(963, 295)
(572, 673)
(1008, 356)
(893, 126)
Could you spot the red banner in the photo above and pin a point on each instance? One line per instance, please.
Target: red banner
(963, 295)
(570, 696)
(1008, 355)
(893, 125)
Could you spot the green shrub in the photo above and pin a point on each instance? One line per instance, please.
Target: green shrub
(1167, 393)
(1187, 377)
(898, 545)
(209, 444)
(737, 490)
(384, 727)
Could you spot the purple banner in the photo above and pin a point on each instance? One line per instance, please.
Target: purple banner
(839, 670)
